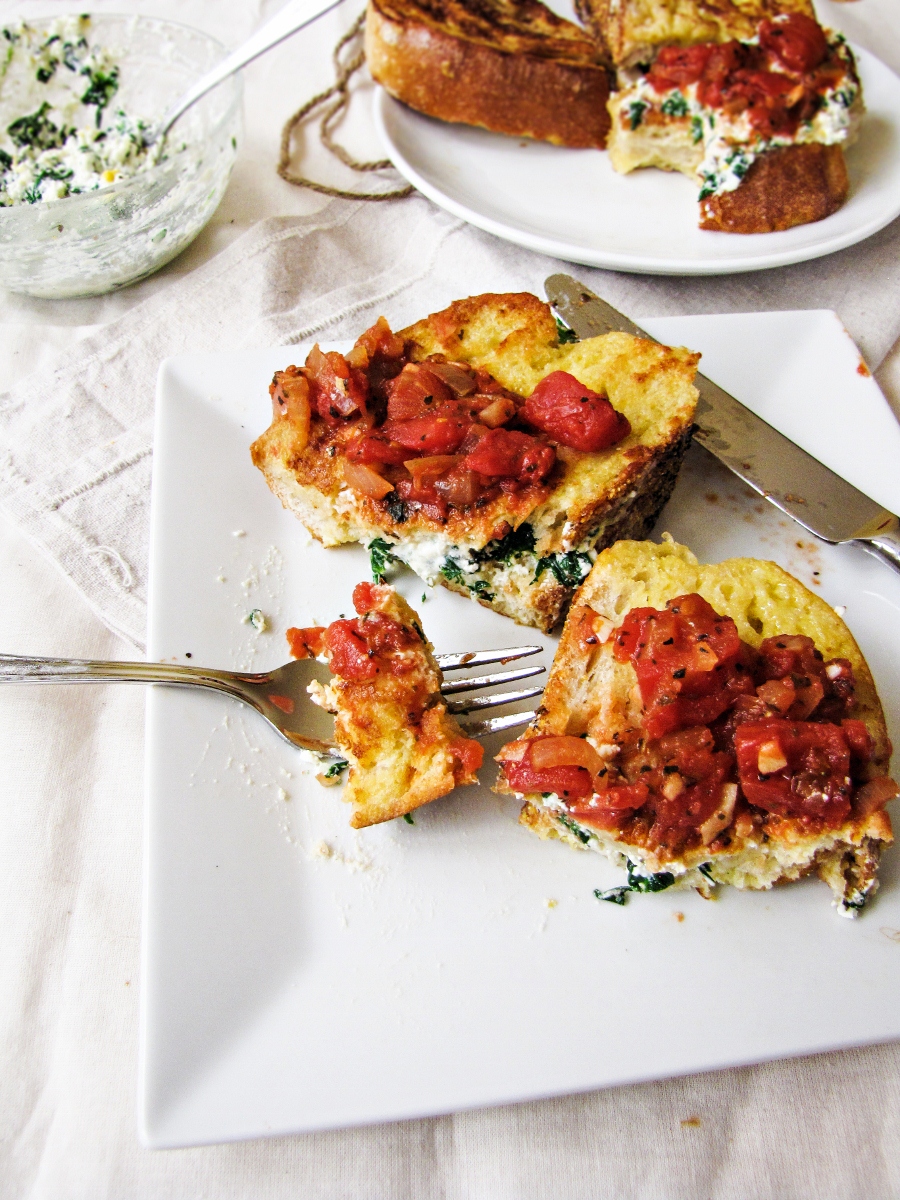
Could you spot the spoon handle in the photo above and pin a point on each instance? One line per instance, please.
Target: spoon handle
(294, 15)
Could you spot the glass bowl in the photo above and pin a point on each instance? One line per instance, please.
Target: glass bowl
(96, 242)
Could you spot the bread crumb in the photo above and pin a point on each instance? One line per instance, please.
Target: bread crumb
(322, 849)
(691, 1123)
(679, 916)
(551, 903)
(840, 609)
(283, 795)
(239, 533)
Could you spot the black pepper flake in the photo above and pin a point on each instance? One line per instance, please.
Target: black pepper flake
(680, 673)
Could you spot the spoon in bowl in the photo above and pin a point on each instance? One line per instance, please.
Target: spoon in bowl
(294, 15)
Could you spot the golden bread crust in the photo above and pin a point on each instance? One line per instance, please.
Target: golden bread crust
(514, 68)
(786, 186)
(396, 764)
(591, 498)
(633, 30)
(589, 692)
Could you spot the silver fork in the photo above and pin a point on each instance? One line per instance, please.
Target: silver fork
(280, 695)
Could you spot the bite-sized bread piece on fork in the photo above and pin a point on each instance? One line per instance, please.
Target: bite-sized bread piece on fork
(482, 451)
(511, 66)
(391, 722)
(706, 725)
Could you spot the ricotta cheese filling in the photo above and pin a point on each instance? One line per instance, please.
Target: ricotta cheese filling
(59, 134)
(729, 144)
(502, 565)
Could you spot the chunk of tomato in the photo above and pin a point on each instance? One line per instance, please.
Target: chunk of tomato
(573, 415)
(678, 66)
(795, 40)
(506, 452)
(690, 662)
(815, 778)
(438, 434)
(348, 652)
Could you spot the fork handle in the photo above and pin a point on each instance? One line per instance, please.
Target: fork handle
(15, 668)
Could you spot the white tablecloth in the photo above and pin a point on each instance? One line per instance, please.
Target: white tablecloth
(70, 823)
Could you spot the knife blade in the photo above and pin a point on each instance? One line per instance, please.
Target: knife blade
(778, 469)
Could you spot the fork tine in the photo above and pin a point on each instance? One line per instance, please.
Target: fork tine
(477, 729)
(483, 681)
(483, 658)
(474, 703)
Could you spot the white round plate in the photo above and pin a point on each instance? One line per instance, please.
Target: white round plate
(571, 204)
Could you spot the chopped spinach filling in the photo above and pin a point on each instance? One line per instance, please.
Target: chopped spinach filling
(675, 105)
(568, 569)
(582, 834)
(336, 768)
(565, 335)
(517, 541)
(380, 555)
(452, 571)
(37, 130)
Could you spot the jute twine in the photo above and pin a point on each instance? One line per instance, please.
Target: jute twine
(344, 70)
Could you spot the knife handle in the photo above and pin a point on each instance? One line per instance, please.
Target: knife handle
(885, 546)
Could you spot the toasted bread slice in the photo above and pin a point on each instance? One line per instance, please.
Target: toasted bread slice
(787, 186)
(756, 173)
(403, 748)
(633, 30)
(511, 66)
(594, 694)
(523, 552)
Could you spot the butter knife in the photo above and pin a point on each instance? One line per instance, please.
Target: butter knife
(805, 489)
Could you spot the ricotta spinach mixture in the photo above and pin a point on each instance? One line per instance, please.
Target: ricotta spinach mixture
(728, 145)
(484, 572)
(60, 131)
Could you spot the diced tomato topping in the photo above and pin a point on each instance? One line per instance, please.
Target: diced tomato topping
(339, 390)
(815, 779)
(826, 688)
(610, 808)
(442, 433)
(416, 392)
(688, 661)
(566, 782)
(348, 651)
(366, 597)
(772, 82)
(355, 647)
(376, 447)
(573, 415)
(468, 753)
(306, 643)
(510, 453)
(678, 66)
(796, 40)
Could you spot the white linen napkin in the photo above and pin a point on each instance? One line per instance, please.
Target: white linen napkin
(76, 440)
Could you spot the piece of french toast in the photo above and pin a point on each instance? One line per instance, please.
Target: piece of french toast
(759, 122)
(633, 30)
(511, 66)
(519, 544)
(391, 722)
(696, 770)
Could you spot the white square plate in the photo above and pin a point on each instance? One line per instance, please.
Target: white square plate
(421, 969)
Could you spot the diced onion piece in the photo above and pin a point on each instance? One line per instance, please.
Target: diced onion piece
(874, 795)
(834, 670)
(457, 379)
(460, 487)
(673, 786)
(430, 467)
(513, 751)
(771, 758)
(363, 479)
(721, 818)
(568, 751)
(498, 412)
